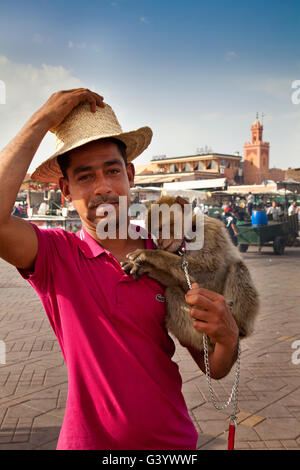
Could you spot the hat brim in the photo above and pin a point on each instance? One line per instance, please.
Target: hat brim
(136, 142)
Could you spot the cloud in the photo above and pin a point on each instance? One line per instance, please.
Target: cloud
(83, 45)
(78, 45)
(143, 19)
(230, 55)
(27, 89)
(38, 38)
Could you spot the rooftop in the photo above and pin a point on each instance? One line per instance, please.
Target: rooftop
(201, 155)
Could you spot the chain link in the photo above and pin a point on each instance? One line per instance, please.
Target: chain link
(235, 388)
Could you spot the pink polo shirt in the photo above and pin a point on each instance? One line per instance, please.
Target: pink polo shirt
(124, 390)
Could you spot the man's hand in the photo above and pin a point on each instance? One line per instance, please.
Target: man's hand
(61, 103)
(212, 316)
(236, 233)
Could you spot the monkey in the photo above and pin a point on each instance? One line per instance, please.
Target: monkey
(217, 266)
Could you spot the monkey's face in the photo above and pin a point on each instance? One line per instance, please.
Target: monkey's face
(168, 226)
(171, 244)
(170, 237)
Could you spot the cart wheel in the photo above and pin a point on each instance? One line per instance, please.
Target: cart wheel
(278, 246)
(243, 248)
(290, 240)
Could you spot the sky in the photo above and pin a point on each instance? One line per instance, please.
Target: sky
(196, 72)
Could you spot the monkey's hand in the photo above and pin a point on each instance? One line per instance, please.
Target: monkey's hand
(163, 266)
(131, 268)
(134, 264)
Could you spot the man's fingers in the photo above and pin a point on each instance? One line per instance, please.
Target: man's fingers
(61, 103)
(99, 100)
(199, 301)
(93, 98)
(202, 327)
(88, 96)
(200, 314)
(210, 295)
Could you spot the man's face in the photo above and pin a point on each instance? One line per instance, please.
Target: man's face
(97, 174)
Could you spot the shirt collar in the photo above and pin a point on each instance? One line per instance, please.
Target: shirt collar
(91, 248)
(88, 245)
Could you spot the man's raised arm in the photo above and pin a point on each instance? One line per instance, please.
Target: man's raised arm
(18, 240)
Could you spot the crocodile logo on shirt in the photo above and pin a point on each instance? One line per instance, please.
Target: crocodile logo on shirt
(160, 298)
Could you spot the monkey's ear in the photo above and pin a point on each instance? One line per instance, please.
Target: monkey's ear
(180, 200)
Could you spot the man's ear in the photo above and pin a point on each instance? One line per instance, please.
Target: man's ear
(64, 187)
(130, 173)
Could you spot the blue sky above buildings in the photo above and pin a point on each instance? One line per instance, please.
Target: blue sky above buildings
(196, 72)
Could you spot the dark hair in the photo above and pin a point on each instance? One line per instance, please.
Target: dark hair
(64, 159)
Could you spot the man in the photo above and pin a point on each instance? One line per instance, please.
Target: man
(197, 209)
(293, 208)
(230, 220)
(250, 202)
(124, 389)
(274, 211)
(217, 215)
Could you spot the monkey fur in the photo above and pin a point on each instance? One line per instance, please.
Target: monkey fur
(217, 266)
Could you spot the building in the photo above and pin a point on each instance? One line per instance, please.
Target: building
(191, 167)
(257, 159)
(293, 174)
(256, 156)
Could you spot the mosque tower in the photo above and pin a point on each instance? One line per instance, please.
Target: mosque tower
(256, 156)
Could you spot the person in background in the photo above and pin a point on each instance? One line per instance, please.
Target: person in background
(230, 220)
(274, 211)
(217, 215)
(250, 202)
(198, 209)
(293, 208)
(42, 210)
(16, 211)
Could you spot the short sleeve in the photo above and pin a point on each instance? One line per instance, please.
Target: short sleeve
(40, 274)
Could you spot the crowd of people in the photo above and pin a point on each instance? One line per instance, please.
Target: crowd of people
(230, 214)
(20, 209)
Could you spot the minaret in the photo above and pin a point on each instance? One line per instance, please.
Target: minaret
(256, 156)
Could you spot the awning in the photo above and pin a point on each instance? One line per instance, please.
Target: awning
(150, 179)
(197, 184)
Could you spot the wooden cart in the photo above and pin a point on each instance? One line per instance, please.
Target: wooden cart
(276, 234)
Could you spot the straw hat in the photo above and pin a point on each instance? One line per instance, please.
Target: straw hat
(82, 126)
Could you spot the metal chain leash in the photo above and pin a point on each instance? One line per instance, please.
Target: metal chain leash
(234, 392)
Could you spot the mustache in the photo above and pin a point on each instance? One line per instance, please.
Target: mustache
(103, 199)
